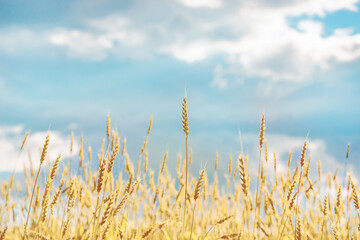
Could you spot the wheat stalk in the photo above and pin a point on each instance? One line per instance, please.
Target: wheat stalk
(196, 196)
(42, 159)
(261, 141)
(185, 123)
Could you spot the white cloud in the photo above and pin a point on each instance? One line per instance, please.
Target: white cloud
(279, 52)
(316, 7)
(202, 3)
(266, 46)
(190, 53)
(96, 40)
(252, 36)
(103, 37)
(20, 40)
(10, 141)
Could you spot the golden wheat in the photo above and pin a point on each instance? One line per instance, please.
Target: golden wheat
(120, 203)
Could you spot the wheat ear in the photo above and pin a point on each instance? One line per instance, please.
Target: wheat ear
(2, 236)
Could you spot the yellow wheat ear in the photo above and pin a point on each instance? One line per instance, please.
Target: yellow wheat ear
(24, 140)
(150, 124)
(355, 196)
(262, 131)
(243, 178)
(44, 150)
(199, 184)
(185, 119)
(335, 232)
(298, 229)
(2, 236)
(108, 126)
(303, 152)
(72, 142)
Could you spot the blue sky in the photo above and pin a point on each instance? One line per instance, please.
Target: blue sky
(67, 64)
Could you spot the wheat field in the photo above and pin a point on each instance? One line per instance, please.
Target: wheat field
(141, 203)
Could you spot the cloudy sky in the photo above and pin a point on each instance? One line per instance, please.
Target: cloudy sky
(64, 65)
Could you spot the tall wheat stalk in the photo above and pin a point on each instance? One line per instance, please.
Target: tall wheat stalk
(302, 163)
(42, 159)
(261, 142)
(185, 123)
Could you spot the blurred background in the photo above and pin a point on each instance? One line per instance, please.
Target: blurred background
(65, 65)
